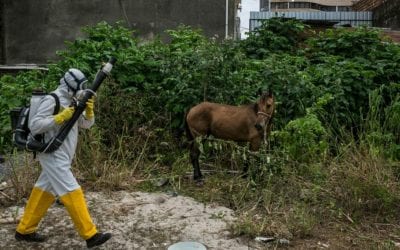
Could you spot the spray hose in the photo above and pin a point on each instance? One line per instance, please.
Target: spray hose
(56, 142)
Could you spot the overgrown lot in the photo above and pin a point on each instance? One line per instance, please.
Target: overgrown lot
(331, 162)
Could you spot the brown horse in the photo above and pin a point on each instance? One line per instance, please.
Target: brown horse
(237, 123)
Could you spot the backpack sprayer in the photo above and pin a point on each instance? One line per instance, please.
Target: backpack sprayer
(24, 141)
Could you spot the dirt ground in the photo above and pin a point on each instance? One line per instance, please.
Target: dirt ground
(137, 220)
(141, 220)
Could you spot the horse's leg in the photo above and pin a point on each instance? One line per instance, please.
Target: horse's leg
(254, 146)
(194, 158)
(245, 168)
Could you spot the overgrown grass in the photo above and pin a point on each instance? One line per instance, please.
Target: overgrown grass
(22, 172)
(280, 197)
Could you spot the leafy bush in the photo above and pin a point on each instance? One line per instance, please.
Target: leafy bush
(15, 92)
(160, 81)
(357, 42)
(304, 139)
(101, 42)
(275, 35)
(356, 61)
(349, 82)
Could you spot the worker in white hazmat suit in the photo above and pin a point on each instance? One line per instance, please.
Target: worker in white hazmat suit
(56, 178)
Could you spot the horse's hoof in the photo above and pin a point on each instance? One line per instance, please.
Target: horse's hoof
(199, 182)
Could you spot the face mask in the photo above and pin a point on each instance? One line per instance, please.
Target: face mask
(75, 80)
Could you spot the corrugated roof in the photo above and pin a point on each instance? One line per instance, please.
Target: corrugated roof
(367, 5)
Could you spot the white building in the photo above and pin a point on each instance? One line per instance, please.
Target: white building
(244, 15)
(247, 6)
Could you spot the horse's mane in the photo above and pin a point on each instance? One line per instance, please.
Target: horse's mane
(252, 106)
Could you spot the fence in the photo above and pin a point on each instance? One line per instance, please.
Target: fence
(363, 18)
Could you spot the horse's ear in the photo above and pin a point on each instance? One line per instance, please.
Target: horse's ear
(270, 94)
(259, 91)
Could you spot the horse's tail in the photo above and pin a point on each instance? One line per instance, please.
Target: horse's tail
(188, 133)
(183, 128)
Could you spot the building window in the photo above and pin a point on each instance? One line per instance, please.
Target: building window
(327, 8)
(279, 6)
(344, 8)
(264, 5)
(299, 5)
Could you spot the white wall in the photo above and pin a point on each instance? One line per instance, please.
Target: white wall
(244, 15)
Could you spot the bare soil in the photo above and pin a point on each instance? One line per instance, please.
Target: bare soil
(137, 220)
(140, 220)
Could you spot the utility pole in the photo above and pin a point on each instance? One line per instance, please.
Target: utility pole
(226, 18)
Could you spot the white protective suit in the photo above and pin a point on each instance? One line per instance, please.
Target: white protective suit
(56, 176)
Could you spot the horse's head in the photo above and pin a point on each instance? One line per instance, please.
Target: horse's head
(265, 110)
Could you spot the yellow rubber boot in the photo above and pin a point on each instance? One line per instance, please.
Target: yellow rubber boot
(35, 209)
(77, 209)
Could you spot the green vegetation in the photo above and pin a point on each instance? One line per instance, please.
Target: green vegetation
(333, 155)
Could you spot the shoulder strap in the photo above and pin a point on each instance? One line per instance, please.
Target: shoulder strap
(57, 108)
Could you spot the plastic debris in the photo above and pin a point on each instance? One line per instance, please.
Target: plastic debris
(271, 239)
(264, 239)
(283, 241)
(161, 182)
(189, 245)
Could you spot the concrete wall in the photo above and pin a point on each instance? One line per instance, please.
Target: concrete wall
(2, 43)
(34, 30)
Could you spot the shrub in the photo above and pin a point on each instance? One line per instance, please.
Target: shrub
(304, 139)
(275, 35)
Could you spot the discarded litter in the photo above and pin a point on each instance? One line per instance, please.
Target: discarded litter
(161, 182)
(323, 245)
(270, 239)
(172, 193)
(188, 245)
(264, 239)
(283, 241)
